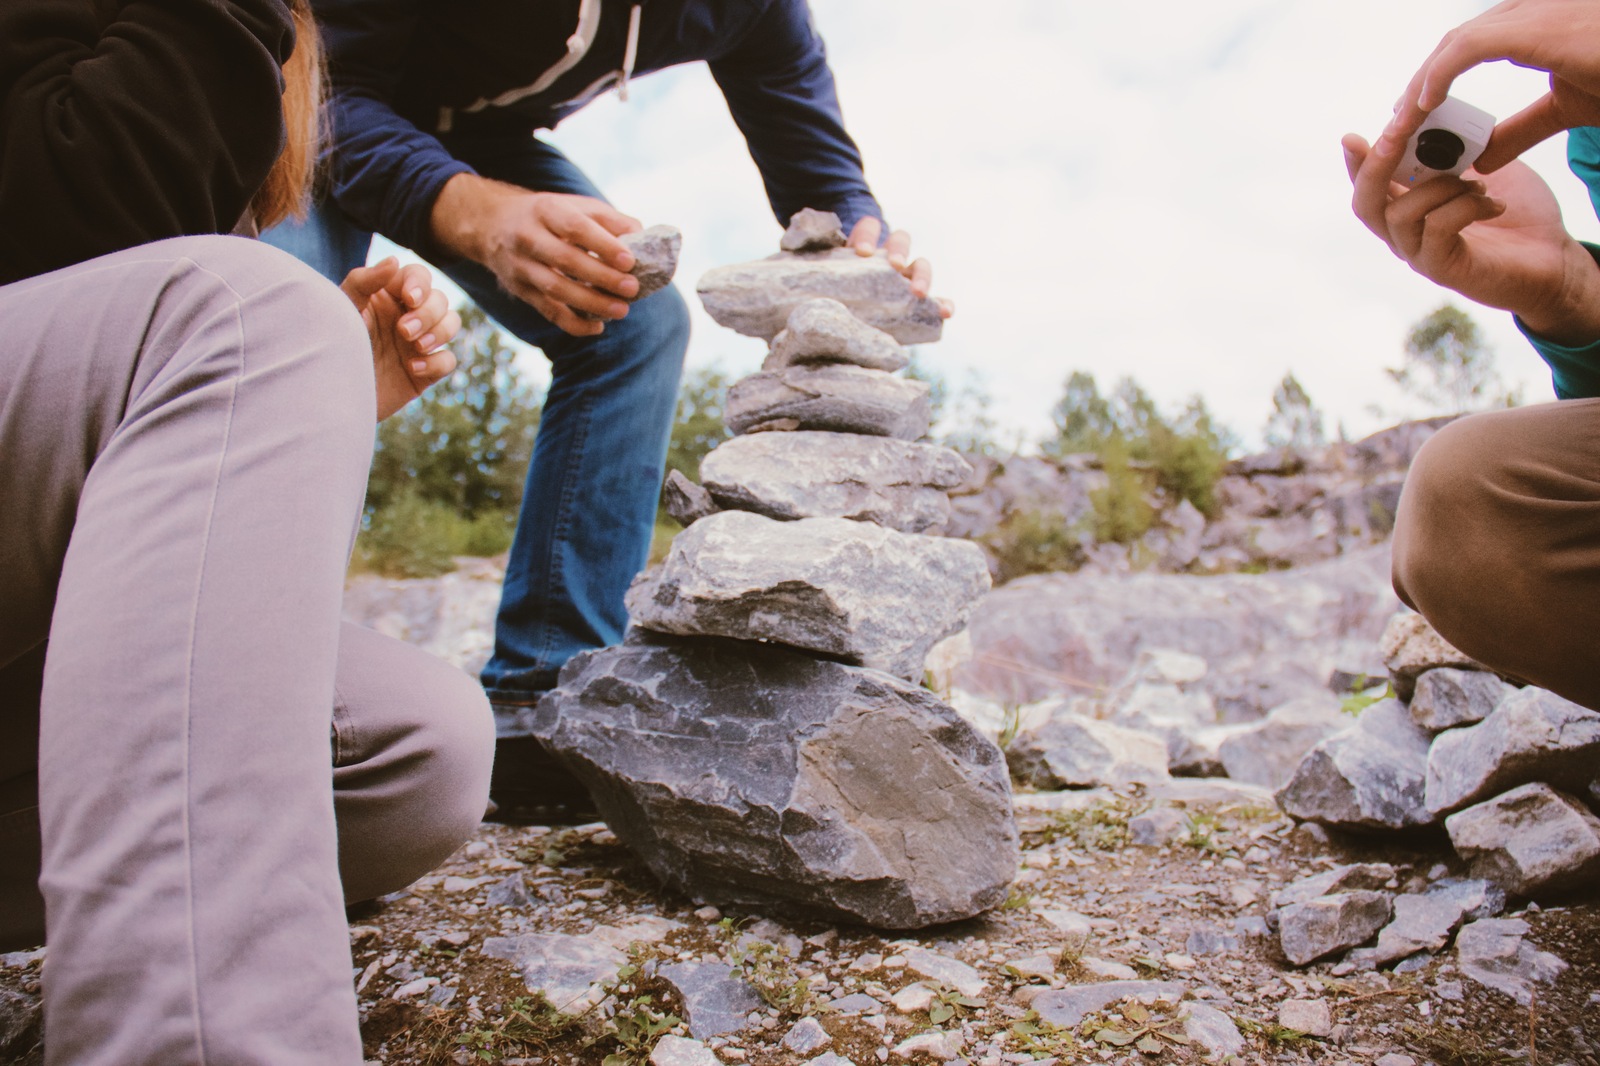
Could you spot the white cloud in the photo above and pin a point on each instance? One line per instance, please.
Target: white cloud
(1151, 189)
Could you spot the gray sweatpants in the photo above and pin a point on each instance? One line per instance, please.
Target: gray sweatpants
(185, 430)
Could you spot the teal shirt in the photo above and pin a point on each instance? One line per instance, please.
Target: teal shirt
(1575, 372)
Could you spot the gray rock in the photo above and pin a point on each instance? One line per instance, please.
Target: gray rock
(751, 775)
(1530, 840)
(20, 1018)
(1157, 828)
(1411, 647)
(806, 1036)
(855, 1003)
(811, 230)
(679, 1051)
(1268, 753)
(1493, 953)
(1447, 698)
(1319, 927)
(1533, 735)
(894, 483)
(510, 892)
(1211, 942)
(714, 1000)
(1073, 752)
(1424, 921)
(841, 399)
(686, 501)
(1215, 1032)
(824, 331)
(848, 589)
(1310, 1016)
(1370, 776)
(947, 971)
(1357, 876)
(567, 970)
(828, 1058)
(655, 254)
(756, 298)
(1067, 1006)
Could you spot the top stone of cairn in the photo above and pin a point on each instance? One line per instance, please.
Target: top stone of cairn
(812, 231)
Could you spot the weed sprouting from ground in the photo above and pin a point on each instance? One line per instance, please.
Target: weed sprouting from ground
(1101, 826)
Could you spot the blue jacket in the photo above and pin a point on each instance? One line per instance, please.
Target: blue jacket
(406, 74)
(1575, 372)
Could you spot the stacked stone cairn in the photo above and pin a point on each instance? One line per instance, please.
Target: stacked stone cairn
(760, 738)
(1512, 775)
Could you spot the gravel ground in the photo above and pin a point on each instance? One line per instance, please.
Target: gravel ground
(1089, 906)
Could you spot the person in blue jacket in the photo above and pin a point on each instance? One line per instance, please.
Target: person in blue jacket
(432, 110)
(1497, 540)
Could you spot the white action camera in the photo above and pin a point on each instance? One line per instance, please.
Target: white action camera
(1451, 139)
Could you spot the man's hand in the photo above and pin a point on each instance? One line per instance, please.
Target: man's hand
(864, 239)
(408, 321)
(1496, 239)
(1558, 36)
(556, 251)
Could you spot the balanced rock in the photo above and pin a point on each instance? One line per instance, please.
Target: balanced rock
(1370, 776)
(1074, 752)
(809, 474)
(756, 298)
(1319, 927)
(655, 257)
(751, 775)
(843, 399)
(823, 331)
(1411, 647)
(685, 501)
(855, 591)
(1532, 839)
(1447, 698)
(811, 230)
(1533, 735)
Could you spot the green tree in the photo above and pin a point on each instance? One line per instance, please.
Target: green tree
(1082, 418)
(1295, 421)
(1449, 366)
(698, 426)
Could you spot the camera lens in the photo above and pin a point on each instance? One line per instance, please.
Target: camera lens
(1439, 149)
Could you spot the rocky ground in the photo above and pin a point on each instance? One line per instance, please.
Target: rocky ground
(1108, 903)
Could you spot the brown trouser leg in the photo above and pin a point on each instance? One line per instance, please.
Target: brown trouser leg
(1498, 542)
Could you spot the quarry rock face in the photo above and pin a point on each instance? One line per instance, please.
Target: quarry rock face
(756, 298)
(896, 484)
(760, 776)
(845, 589)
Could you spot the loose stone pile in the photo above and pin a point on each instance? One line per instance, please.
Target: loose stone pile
(758, 738)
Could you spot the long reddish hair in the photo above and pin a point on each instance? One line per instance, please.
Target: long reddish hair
(287, 190)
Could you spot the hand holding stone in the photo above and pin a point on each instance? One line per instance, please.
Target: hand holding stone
(864, 239)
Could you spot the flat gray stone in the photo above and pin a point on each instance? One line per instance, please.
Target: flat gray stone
(1372, 775)
(1493, 952)
(1533, 735)
(840, 399)
(1447, 698)
(811, 230)
(756, 298)
(510, 892)
(568, 970)
(947, 971)
(715, 1001)
(746, 774)
(1215, 1032)
(1267, 752)
(655, 254)
(1310, 1016)
(1364, 875)
(1073, 752)
(893, 483)
(806, 1036)
(1425, 921)
(855, 1003)
(680, 1051)
(1319, 927)
(823, 332)
(1068, 1006)
(1530, 840)
(859, 592)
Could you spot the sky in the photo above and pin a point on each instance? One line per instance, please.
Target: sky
(1153, 190)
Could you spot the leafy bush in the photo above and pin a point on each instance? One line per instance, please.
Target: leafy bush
(1034, 542)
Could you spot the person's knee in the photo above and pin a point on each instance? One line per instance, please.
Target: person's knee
(1452, 475)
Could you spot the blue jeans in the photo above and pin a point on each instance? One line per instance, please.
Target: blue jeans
(588, 510)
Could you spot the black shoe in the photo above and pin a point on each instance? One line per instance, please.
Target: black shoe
(529, 786)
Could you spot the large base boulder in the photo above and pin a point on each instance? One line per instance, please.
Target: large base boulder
(748, 774)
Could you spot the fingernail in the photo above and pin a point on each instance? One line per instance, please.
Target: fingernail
(427, 343)
(411, 329)
(897, 261)
(415, 295)
(419, 366)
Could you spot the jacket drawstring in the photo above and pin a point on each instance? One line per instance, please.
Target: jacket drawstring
(629, 53)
